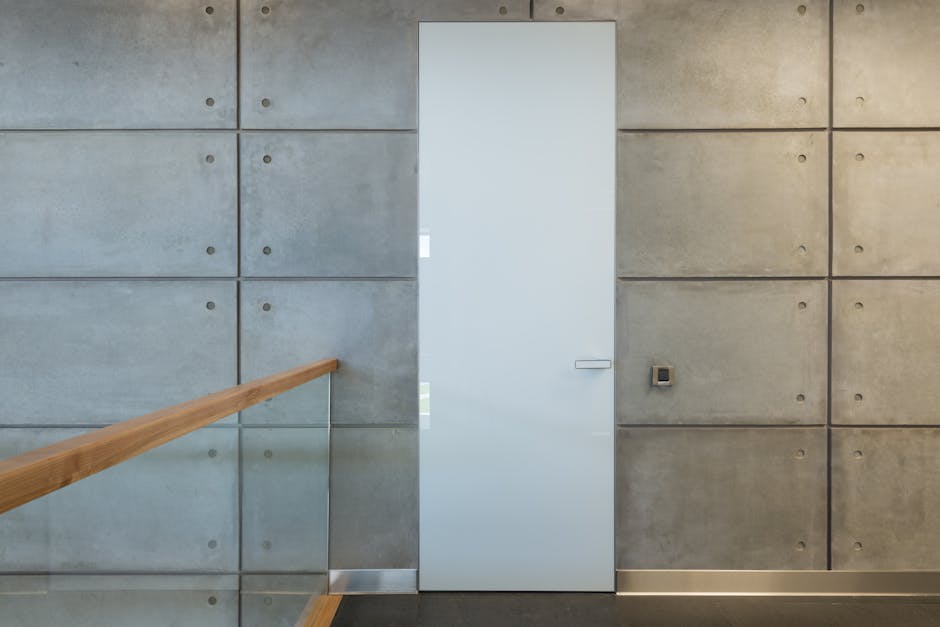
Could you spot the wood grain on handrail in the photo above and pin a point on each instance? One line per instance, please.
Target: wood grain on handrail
(34, 474)
(319, 611)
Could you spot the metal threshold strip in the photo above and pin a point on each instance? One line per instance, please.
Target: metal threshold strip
(374, 581)
(777, 583)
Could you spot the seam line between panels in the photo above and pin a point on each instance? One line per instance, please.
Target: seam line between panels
(791, 129)
(856, 425)
(715, 279)
(885, 129)
(178, 279)
(829, 136)
(230, 129)
(377, 425)
(238, 297)
(156, 573)
(366, 131)
(734, 425)
(329, 278)
(329, 475)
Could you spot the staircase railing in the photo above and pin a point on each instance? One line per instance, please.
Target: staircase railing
(31, 475)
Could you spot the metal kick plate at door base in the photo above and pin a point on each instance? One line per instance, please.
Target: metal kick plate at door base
(592, 364)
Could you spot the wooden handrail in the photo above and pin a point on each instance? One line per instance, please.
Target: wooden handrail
(319, 611)
(31, 475)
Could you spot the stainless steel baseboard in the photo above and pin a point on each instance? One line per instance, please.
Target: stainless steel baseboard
(398, 581)
(695, 582)
(777, 583)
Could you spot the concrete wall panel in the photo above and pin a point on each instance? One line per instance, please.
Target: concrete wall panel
(277, 600)
(91, 352)
(374, 498)
(371, 326)
(118, 204)
(885, 189)
(722, 204)
(305, 405)
(727, 64)
(744, 352)
(721, 498)
(341, 205)
(285, 484)
(119, 600)
(884, 63)
(337, 64)
(117, 64)
(172, 509)
(885, 343)
(885, 499)
(330, 204)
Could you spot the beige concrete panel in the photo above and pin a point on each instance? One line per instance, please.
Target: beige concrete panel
(886, 212)
(885, 348)
(721, 498)
(723, 204)
(885, 63)
(744, 352)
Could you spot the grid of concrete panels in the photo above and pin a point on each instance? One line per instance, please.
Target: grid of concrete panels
(131, 248)
(699, 205)
(884, 188)
(703, 213)
(731, 64)
(360, 74)
(776, 184)
(342, 64)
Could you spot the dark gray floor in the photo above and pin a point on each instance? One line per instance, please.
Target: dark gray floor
(471, 609)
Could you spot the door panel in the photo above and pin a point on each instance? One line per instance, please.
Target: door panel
(516, 152)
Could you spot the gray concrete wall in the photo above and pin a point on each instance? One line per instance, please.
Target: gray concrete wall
(780, 252)
(260, 156)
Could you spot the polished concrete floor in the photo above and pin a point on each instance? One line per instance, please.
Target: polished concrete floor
(602, 610)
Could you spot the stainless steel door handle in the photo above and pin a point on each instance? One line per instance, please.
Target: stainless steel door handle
(592, 364)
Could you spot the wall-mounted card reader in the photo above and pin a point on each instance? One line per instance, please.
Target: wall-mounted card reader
(663, 376)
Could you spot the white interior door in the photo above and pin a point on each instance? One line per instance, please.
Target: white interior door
(517, 142)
